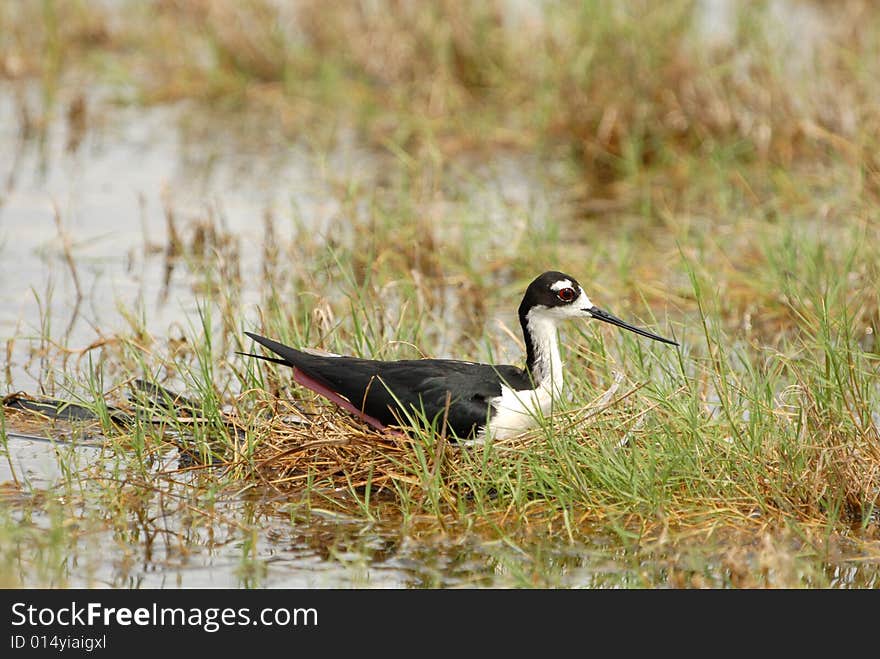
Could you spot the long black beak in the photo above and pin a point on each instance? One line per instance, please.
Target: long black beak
(599, 314)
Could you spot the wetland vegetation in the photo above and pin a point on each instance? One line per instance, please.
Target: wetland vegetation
(384, 179)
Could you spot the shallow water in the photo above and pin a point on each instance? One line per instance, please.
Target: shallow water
(100, 196)
(110, 188)
(239, 541)
(111, 185)
(170, 533)
(110, 191)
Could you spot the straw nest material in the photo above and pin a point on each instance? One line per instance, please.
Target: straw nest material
(328, 446)
(295, 446)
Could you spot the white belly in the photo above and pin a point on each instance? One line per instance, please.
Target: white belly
(517, 411)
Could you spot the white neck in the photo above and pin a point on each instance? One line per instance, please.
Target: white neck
(547, 366)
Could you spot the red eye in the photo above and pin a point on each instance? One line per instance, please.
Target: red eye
(566, 294)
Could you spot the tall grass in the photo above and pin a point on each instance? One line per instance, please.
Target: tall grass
(725, 190)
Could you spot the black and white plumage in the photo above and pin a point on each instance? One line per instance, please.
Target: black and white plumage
(477, 400)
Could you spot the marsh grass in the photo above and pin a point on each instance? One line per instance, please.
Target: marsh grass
(751, 428)
(726, 195)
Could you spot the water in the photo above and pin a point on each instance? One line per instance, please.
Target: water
(119, 528)
(110, 192)
(100, 196)
(166, 538)
(105, 190)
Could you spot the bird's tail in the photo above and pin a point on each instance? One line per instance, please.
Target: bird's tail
(309, 380)
(274, 360)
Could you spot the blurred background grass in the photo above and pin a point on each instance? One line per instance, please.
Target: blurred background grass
(626, 89)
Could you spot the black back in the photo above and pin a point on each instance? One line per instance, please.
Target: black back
(391, 391)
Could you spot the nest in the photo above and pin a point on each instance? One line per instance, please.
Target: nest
(326, 446)
(329, 446)
(289, 447)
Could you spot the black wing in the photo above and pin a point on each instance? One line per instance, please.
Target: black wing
(391, 391)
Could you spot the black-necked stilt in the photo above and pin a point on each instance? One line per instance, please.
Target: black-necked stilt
(477, 400)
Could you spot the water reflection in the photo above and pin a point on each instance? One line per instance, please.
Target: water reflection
(118, 528)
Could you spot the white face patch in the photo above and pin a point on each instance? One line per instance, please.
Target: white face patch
(559, 285)
(581, 304)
